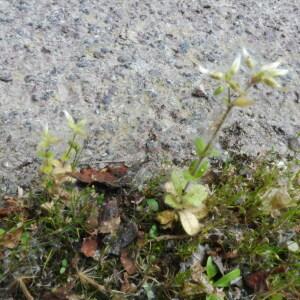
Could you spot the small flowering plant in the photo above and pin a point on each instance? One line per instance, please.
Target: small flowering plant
(52, 166)
(184, 192)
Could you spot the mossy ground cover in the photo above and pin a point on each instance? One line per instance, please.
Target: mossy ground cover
(92, 241)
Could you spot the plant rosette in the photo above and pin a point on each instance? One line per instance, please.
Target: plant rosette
(189, 205)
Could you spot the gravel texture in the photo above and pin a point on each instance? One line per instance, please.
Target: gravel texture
(130, 68)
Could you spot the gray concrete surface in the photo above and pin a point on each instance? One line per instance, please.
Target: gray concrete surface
(129, 68)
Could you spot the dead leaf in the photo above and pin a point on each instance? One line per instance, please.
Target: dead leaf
(12, 239)
(128, 287)
(110, 217)
(89, 247)
(128, 263)
(257, 281)
(11, 206)
(276, 199)
(107, 175)
(118, 171)
(166, 218)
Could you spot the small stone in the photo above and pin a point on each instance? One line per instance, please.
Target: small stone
(6, 77)
(98, 54)
(106, 100)
(199, 93)
(124, 59)
(29, 78)
(104, 50)
(45, 50)
(294, 143)
(183, 47)
(44, 97)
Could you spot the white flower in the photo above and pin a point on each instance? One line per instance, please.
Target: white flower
(69, 117)
(248, 59)
(213, 74)
(245, 52)
(235, 65)
(272, 69)
(203, 70)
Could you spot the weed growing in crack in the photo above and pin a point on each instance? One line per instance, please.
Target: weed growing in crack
(184, 193)
(52, 166)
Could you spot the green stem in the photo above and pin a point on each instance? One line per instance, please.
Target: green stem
(210, 142)
(70, 146)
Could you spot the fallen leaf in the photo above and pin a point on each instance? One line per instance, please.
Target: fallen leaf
(89, 247)
(12, 239)
(128, 263)
(257, 281)
(110, 217)
(107, 175)
(118, 171)
(166, 218)
(128, 287)
(11, 206)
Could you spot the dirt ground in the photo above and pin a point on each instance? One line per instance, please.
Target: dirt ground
(129, 68)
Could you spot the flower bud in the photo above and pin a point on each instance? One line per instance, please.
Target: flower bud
(216, 75)
(242, 102)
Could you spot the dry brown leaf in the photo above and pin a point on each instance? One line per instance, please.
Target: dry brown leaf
(11, 206)
(89, 247)
(166, 218)
(12, 239)
(128, 287)
(257, 281)
(128, 263)
(108, 175)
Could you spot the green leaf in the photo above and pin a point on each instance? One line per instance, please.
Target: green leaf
(277, 297)
(198, 172)
(47, 169)
(2, 232)
(25, 238)
(178, 180)
(153, 204)
(64, 263)
(172, 201)
(219, 90)
(213, 297)
(153, 232)
(195, 195)
(211, 268)
(200, 146)
(226, 280)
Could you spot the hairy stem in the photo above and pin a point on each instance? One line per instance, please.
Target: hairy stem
(211, 140)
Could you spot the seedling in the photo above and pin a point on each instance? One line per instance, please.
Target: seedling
(223, 282)
(64, 265)
(51, 165)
